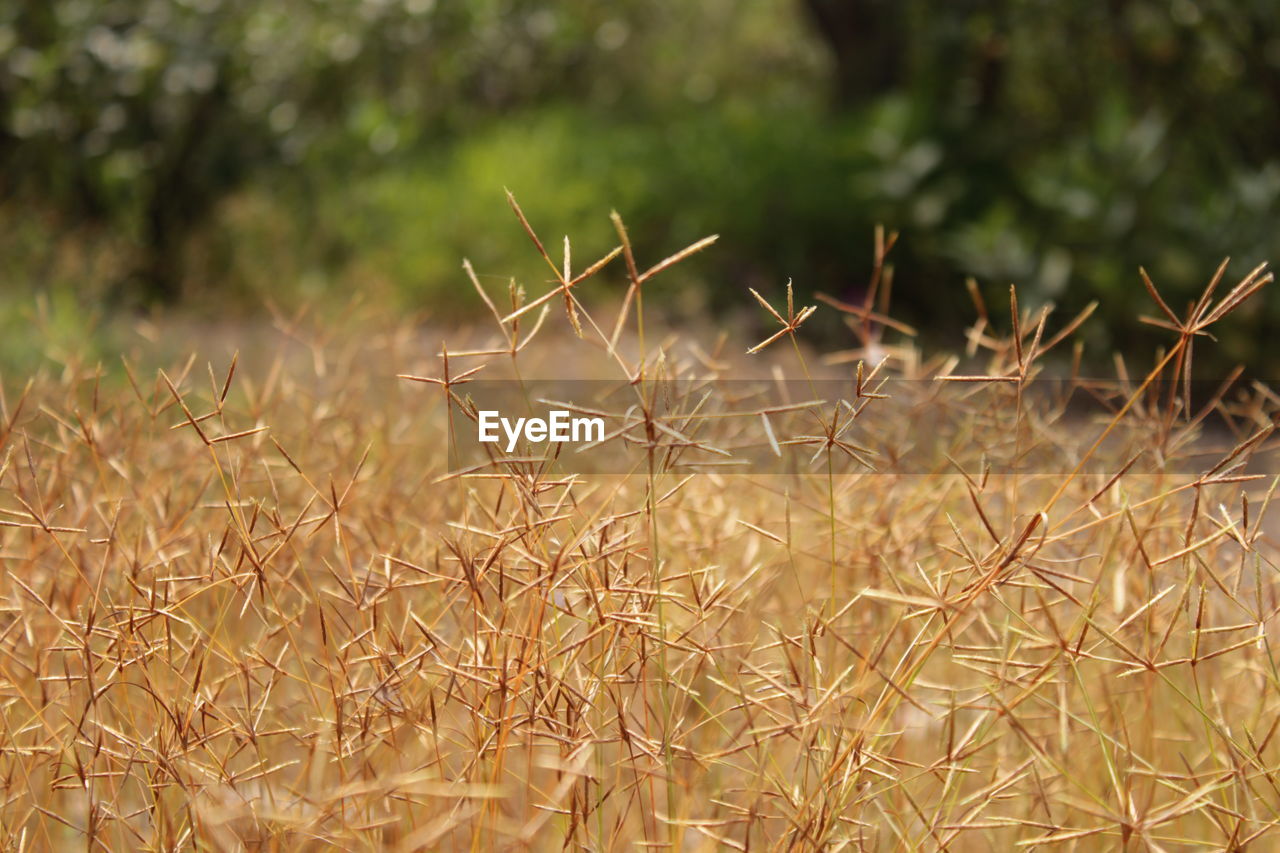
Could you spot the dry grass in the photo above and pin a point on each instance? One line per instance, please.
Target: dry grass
(256, 608)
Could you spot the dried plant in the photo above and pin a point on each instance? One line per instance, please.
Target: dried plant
(272, 611)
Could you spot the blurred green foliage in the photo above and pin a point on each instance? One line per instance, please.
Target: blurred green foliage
(234, 150)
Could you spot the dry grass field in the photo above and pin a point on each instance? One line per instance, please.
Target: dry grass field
(249, 603)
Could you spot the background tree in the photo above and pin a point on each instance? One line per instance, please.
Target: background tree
(239, 146)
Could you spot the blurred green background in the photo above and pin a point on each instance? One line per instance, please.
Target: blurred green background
(216, 155)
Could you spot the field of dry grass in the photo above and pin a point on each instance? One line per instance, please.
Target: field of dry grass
(250, 603)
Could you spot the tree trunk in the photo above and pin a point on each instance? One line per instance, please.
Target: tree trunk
(867, 40)
(181, 194)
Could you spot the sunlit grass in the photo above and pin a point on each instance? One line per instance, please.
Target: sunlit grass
(254, 601)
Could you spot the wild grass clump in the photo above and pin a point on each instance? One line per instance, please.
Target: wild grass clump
(260, 604)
